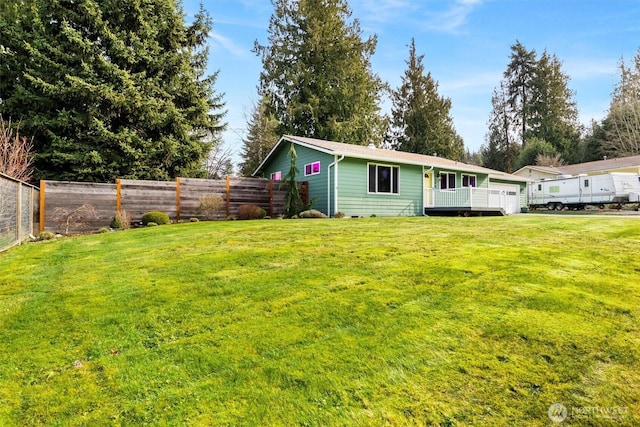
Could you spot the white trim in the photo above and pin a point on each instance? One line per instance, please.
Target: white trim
(455, 179)
(336, 160)
(391, 182)
(475, 179)
(312, 172)
(273, 173)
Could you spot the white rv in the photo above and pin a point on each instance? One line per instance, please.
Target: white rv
(582, 190)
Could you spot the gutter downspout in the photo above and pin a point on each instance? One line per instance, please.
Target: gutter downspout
(433, 195)
(335, 183)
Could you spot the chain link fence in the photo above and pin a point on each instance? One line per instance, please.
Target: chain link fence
(18, 210)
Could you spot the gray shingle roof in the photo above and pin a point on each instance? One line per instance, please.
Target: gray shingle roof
(589, 167)
(364, 152)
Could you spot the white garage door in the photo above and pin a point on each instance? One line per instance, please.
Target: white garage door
(505, 196)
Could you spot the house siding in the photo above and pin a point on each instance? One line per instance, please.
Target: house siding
(355, 200)
(317, 182)
(482, 180)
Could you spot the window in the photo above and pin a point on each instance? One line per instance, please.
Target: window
(539, 187)
(383, 179)
(447, 180)
(586, 183)
(276, 176)
(312, 168)
(468, 180)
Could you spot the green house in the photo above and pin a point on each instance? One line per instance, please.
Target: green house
(363, 180)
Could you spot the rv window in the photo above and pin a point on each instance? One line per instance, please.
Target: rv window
(539, 187)
(586, 183)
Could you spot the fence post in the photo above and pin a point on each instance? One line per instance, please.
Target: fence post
(19, 212)
(228, 195)
(42, 191)
(118, 195)
(305, 192)
(177, 199)
(271, 198)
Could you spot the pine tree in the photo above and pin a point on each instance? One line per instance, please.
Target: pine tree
(553, 112)
(110, 89)
(317, 74)
(501, 146)
(260, 140)
(421, 120)
(519, 77)
(534, 101)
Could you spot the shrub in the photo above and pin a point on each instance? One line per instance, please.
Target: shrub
(103, 230)
(154, 216)
(46, 235)
(312, 213)
(210, 206)
(339, 215)
(122, 220)
(251, 212)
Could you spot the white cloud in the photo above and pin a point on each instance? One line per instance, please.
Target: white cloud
(218, 40)
(477, 82)
(452, 19)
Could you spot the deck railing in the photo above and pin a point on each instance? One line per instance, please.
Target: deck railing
(465, 197)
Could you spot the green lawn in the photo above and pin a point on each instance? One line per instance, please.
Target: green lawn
(399, 321)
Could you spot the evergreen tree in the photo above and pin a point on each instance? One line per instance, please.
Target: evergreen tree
(535, 147)
(554, 115)
(110, 89)
(421, 120)
(317, 74)
(260, 140)
(519, 77)
(534, 101)
(501, 147)
(293, 203)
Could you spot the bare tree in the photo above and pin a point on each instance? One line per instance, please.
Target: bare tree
(16, 155)
(623, 120)
(553, 160)
(218, 164)
(74, 218)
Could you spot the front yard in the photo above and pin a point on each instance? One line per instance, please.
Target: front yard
(376, 321)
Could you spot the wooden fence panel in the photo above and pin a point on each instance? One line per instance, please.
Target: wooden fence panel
(192, 189)
(61, 198)
(255, 192)
(139, 197)
(179, 199)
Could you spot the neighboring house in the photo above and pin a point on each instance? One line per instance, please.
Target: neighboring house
(360, 181)
(623, 164)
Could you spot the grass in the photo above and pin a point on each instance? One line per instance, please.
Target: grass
(397, 321)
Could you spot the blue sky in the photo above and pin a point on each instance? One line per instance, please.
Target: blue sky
(466, 44)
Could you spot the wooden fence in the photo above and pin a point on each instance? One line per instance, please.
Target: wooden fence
(18, 211)
(180, 199)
